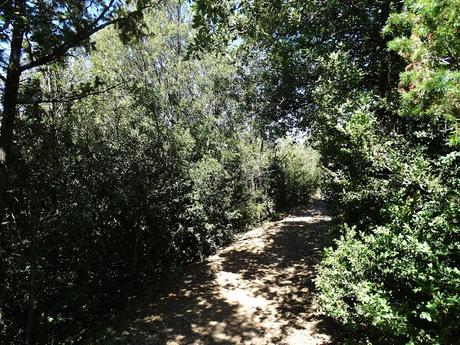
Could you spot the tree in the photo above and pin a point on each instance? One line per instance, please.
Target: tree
(34, 34)
(38, 33)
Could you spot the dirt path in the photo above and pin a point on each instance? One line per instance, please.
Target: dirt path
(256, 291)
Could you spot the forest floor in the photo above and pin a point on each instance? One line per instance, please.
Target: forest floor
(259, 290)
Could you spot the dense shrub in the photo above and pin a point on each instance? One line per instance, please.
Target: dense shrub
(400, 281)
(394, 274)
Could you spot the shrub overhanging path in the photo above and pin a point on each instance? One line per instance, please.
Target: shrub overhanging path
(256, 291)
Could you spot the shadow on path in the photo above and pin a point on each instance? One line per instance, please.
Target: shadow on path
(259, 290)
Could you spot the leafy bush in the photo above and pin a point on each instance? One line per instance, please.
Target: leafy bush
(394, 275)
(400, 281)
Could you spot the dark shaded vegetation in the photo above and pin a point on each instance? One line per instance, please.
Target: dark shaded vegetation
(129, 161)
(140, 136)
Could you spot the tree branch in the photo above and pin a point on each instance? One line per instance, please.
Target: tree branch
(69, 98)
(78, 38)
(61, 50)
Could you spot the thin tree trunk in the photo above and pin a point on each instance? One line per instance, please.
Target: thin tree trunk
(34, 227)
(10, 100)
(34, 223)
(135, 257)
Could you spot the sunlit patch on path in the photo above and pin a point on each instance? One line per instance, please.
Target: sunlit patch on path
(257, 291)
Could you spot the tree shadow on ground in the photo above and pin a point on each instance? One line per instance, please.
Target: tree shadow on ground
(257, 291)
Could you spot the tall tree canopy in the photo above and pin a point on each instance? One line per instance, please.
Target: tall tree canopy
(286, 39)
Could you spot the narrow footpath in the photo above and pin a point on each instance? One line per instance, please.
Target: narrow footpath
(259, 290)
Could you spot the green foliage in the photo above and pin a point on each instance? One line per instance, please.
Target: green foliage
(386, 127)
(400, 280)
(282, 43)
(53, 28)
(430, 85)
(114, 190)
(294, 173)
(395, 272)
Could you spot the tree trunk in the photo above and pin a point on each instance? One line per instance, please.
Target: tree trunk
(34, 223)
(135, 257)
(10, 100)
